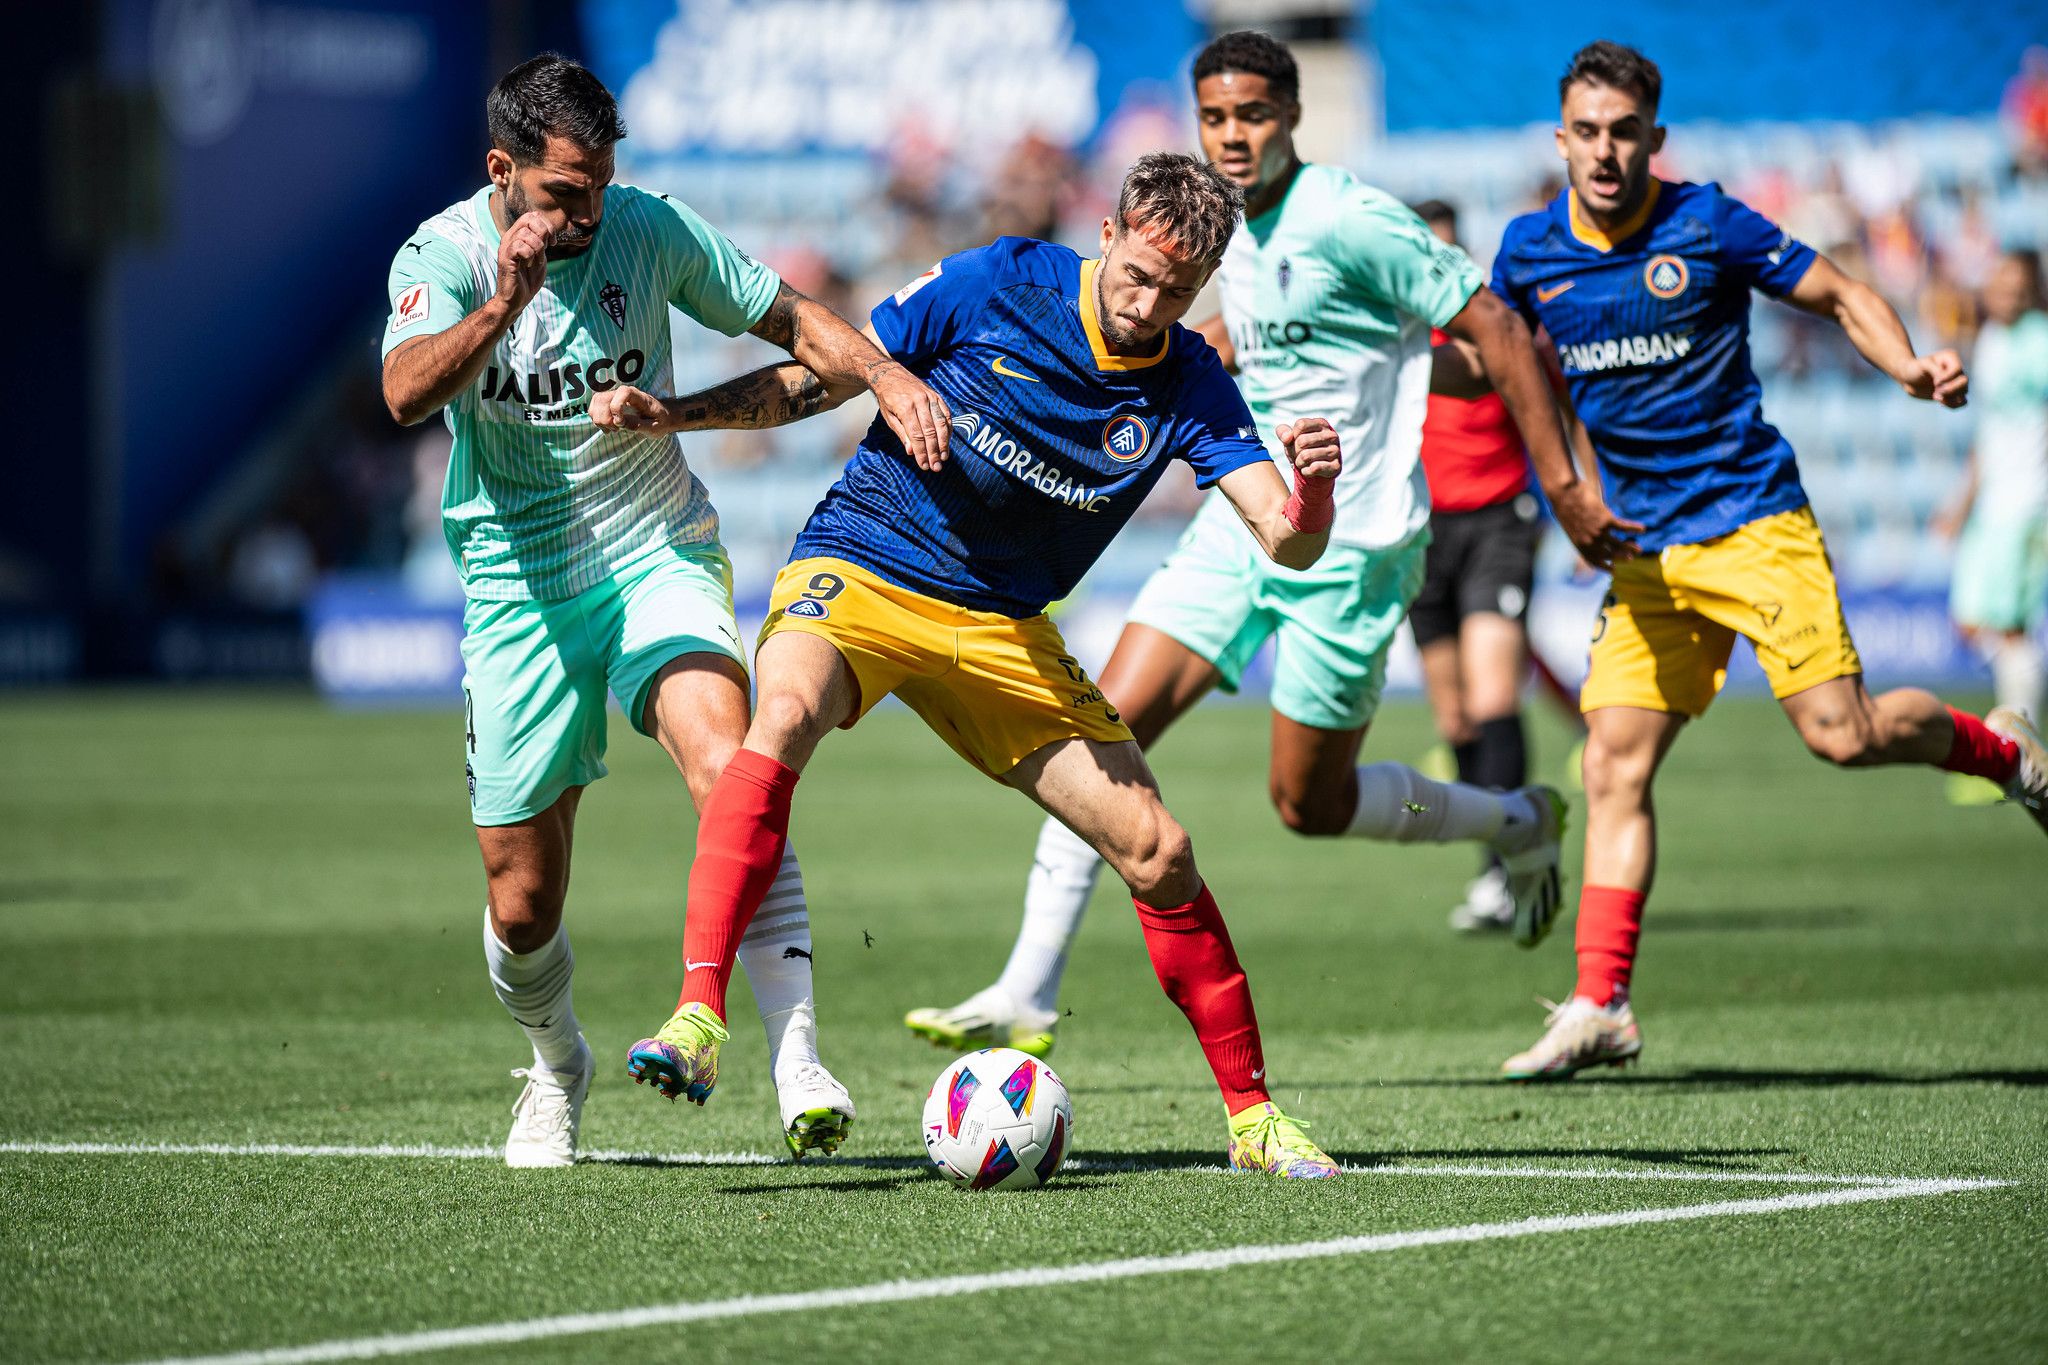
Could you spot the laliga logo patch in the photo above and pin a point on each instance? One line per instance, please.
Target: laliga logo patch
(1665, 276)
(1126, 438)
(806, 608)
(410, 307)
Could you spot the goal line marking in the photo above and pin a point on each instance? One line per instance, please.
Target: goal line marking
(1095, 1272)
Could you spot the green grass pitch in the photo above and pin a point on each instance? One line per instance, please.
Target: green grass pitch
(244, 919)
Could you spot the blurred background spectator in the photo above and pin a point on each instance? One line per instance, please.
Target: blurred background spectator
(244, 460)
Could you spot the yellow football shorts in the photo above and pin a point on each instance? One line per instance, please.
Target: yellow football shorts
(1670, 620)
(993, 687)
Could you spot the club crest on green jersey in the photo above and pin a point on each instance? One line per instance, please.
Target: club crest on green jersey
(613, 299)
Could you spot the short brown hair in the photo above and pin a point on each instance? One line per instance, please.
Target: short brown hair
(1617, 67)
(1192, 209)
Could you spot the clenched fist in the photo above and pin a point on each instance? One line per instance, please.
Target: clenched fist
(523, 259)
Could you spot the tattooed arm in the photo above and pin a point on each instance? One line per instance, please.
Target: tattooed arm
(770, 397)
(834, 362)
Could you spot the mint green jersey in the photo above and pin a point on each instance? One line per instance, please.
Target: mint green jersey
(1329, 298)
(2009, 395)
(540, 504)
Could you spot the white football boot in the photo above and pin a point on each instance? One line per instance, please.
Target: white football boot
(988, 1018)
(2029, 785)
(1579, 1034)
(1530, 851)
(1487, 907)
(549, 1115)
(816, 1110)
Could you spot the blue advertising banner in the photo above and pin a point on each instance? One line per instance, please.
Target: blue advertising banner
(844, 77)
(299, 137)
(1496, 63)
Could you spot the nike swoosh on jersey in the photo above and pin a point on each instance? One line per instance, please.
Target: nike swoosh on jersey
(997, 366)
(1546, 295)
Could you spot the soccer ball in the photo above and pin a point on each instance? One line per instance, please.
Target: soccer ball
(998, 1119)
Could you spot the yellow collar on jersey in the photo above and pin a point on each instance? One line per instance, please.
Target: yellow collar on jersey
(1601, 240)
(1092, 325)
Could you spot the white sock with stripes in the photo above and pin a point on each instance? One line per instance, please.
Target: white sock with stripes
(535, 989)
(1063, 873)
(776, 955)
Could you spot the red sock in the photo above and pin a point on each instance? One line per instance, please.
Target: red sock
(1979, 752)
(741, 834)
(1610, 919)
(1191, 952)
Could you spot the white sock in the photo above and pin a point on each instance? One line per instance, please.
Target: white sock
(1063, 873)
(534, 989)
(1399, 804)
(776, 954)
(2019, 674)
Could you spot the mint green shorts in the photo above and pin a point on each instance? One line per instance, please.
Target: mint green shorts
(2001, 573)
(535, 674)
(1219, 595)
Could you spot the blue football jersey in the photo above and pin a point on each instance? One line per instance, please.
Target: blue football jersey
(1652, 329)
(1055, 441)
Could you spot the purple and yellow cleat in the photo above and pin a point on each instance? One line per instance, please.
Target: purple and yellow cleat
(1265, 1140)
(681, 1059)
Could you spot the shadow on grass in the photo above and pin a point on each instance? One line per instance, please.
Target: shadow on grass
(91, 890)
(1750, 919)
(1698, 1078)
(1105, 1168)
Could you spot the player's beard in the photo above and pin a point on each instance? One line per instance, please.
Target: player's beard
(1114, 329)
(569, 241)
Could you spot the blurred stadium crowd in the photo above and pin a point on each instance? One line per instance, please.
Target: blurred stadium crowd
(1920, 208)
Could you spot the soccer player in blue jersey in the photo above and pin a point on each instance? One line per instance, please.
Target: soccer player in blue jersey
(1329, 291)
(1643, 286)
(1070, 387)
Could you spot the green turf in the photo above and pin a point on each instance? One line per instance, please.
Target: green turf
(243, 918)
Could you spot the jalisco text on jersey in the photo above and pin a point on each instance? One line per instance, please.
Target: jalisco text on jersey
(1253, 335)
(569, 381)
(1580, 357)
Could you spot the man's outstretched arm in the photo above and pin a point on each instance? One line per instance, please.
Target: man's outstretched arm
(1878, 335)
(833, 362)
(1507, 353)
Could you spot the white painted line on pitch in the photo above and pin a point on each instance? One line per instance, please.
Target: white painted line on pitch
(1078, 1164)
(956, 1286)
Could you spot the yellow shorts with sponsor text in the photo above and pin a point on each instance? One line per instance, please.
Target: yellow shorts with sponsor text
(1670, 620)
(995, 688)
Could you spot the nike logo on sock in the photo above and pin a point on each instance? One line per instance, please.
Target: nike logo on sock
(1259, 1075)
(693, 966)
(527, 1023)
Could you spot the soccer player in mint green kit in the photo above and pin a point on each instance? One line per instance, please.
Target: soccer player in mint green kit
(1999, 594)
(1330, 288)
(590, 558)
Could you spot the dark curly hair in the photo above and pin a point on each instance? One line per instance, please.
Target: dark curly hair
(1255, 54)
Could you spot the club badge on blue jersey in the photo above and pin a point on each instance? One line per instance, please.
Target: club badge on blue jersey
(1126, 438)
(1666, 276)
